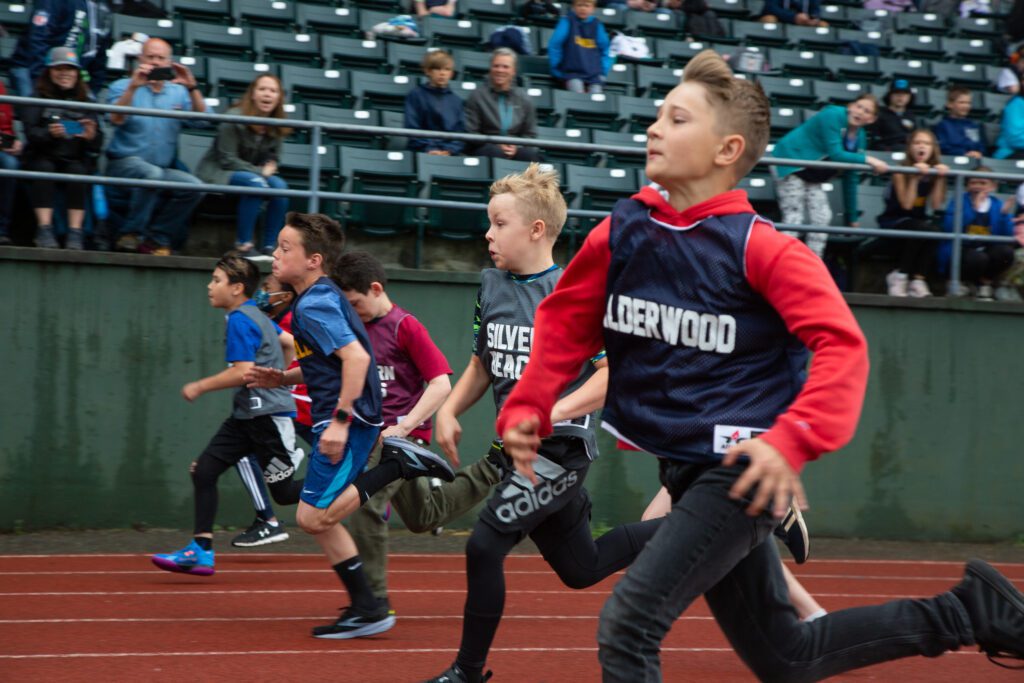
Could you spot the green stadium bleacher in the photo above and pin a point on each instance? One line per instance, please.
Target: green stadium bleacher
(217, 40)
(327, 20)
(286, 48)
(459, 179)
(567, 134)
(384, 173)
(312, 85)
(364, 54)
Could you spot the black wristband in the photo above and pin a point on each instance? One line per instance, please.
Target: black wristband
(342, 416)
(192, 88)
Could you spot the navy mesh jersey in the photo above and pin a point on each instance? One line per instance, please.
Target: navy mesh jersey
(707, 360)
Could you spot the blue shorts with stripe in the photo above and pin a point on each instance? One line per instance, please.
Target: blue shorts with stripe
(324, 482)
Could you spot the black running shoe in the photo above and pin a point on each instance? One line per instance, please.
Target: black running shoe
(996, 609)
(415, 460)
(793, 532)
(358, 623)
(455, 674)
(260, 533)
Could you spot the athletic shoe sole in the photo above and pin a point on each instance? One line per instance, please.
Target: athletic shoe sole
(432, 459)
(793, 532)
(277, 538)
(371, 629)
(171, 566)
(988, 575)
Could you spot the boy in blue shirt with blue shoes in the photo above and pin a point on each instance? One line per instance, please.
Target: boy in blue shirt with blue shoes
(707, 313)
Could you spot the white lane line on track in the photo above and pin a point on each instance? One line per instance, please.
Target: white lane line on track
(460, 572)
(249, 593)
(367, 651)
(513, 557)
(402, 617)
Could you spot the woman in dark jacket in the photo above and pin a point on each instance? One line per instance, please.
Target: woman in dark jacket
(60, 141)
(247, 155)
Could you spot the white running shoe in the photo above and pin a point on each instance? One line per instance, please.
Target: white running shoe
(918, 289)
(897, 283)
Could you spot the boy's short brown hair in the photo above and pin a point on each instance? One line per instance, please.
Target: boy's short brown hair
(240, 270)
(437, 59)
(982, 169)
(320, 235)
(355, 271)
(957, 91)
(740, 105)
(538, 197)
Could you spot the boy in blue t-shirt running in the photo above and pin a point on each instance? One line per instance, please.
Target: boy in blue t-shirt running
(337, 366)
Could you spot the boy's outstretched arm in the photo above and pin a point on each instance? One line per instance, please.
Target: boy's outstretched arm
(824, 415)
(468, 390)
(567, 331)
(271, 378)
(227, 378)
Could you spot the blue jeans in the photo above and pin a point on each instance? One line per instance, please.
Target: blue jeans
(8, 162)
(709, 546)
(249, 207)
(21, 81)
(160, 216)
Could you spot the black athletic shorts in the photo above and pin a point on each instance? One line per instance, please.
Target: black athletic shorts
(270, 438)
(518, 506)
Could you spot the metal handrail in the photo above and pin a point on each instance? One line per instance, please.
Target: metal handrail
(314, 194)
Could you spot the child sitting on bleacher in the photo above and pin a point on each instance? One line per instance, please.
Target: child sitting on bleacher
(433, 106)
(981, 263)
(1010, 144)
(956, 133)
(908, 201)
(799, 12)
(578, 51)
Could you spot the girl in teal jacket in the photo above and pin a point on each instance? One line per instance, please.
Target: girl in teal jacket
(836, 134)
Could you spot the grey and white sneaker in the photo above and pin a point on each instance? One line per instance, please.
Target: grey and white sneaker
(1008, 294)
(358, 623)
(260, 533)
(415, 460)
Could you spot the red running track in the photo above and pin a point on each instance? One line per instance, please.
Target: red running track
(118, 618)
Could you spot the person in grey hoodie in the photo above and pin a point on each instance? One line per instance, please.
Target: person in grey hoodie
(500, 108)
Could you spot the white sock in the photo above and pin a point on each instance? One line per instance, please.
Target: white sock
(815, 615)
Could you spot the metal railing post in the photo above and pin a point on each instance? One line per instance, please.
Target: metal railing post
(313, 205)
(958, 231)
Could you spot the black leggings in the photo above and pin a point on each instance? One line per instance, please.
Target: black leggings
(985, 263)
(204, 479)
(916, 256)
(565, 541)
(41, 192)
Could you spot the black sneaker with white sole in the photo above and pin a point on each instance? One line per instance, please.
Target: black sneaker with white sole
(358, 623)
(996, 609)
(260, 533)
(793, 532)
(455, 674)
(415, 460)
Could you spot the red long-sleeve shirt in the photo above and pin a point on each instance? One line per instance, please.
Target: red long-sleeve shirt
(568, 330)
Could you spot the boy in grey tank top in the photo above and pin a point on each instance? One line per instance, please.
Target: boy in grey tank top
(526, 214)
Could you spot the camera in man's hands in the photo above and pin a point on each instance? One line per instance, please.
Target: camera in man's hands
(161, 73)
(7, 141)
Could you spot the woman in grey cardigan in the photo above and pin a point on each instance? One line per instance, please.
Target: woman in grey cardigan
(247, 155)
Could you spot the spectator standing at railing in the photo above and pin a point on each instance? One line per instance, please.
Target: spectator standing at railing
(1010, 144)
(578, 51)
(146, 147)
(908, 201)
(799, 12)
(10, 150)
(501, 108)
(891, 129)
(247, 155)
(433, 106)
(82, 25)
(982, 264)
(956, 133)
(60, 141)
(835, 134)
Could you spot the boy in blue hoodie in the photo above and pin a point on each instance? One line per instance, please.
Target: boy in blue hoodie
(578, 50)
(433, 106)
(982, 263)
(958, 134)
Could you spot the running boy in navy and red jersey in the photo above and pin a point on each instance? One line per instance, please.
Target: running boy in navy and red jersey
(414, 382)
(526, 213)
(337, 366)
(705, 312)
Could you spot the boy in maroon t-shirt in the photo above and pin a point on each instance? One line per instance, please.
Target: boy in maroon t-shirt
(414, 377)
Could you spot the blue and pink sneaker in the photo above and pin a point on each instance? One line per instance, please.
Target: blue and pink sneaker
(189, 560)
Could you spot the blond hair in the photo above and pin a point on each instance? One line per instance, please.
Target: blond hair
(437, 59)
(538, 197)
(741, 107)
